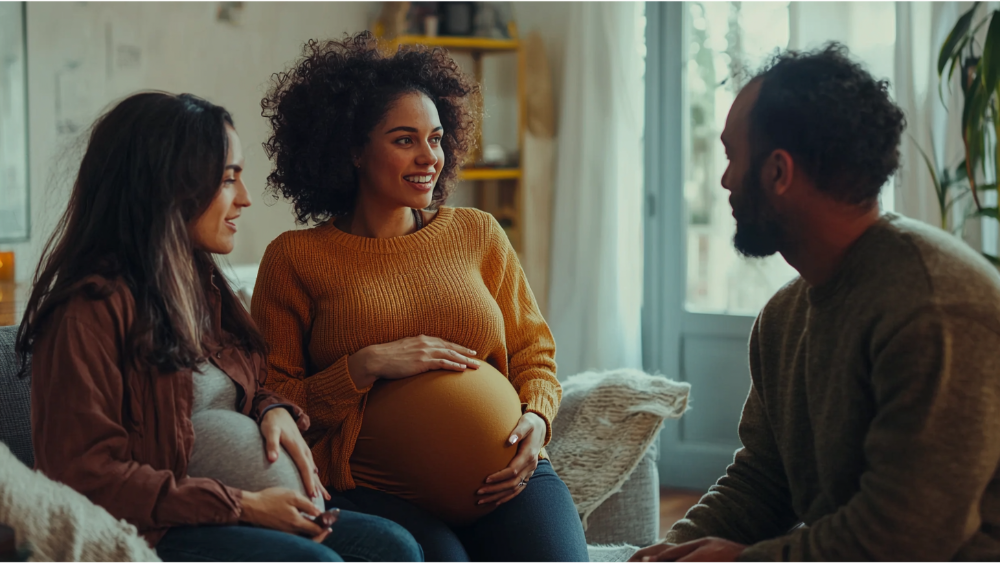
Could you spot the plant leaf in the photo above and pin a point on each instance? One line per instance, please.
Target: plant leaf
(996, 125)
(956, 60)
(989, 63)
(941, 191)
(986, 212)
(961, 173)
(948, 49)
(931, 171)
(972, 131)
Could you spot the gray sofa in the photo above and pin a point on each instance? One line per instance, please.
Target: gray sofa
(631, 516)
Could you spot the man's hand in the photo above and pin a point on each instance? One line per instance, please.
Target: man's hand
(704, 549)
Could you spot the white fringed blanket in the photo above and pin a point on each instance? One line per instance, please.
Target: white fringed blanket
(59, 523)
(603, 440)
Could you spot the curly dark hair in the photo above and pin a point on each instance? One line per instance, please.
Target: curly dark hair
(326, 105)
(836, 121)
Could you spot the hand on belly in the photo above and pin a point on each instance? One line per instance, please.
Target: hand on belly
(228, 446)
(433, 439)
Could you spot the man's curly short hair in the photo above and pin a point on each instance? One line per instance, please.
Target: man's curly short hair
(326, 105)
(837, 122)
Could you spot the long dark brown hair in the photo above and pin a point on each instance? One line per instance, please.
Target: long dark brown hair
(153, 164)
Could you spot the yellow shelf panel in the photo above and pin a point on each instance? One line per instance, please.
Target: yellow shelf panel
(474, 174)
(460, 43)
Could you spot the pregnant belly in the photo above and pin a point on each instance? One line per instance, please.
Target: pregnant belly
(433, 439)
(228, 447)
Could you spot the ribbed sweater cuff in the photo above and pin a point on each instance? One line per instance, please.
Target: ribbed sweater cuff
(540, 398)
(335, 383)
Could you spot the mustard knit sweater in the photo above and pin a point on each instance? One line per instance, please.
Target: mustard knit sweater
(323, 294)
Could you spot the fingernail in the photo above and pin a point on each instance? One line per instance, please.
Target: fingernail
(489, 479)
(464, 366)
(513, 439)
(480, 502)
(479, 492)
(473, 352)
(645, 558)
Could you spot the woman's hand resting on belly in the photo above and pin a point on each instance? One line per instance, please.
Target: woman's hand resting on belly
(507, 483)
(280, 431)
(408, 357)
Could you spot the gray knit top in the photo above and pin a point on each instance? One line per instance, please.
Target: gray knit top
(228, 445)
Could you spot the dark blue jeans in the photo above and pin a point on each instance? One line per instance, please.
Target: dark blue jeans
(355, 537)
(540, 524)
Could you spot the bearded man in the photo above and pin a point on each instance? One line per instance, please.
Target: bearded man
(872, 427)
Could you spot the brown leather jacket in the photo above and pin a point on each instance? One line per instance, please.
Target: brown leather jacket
(123, 436)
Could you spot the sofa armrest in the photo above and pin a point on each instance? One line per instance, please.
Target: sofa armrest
(632, 515)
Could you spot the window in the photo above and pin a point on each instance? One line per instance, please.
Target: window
(722, 39)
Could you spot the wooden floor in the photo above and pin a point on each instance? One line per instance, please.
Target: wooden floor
(674, 503)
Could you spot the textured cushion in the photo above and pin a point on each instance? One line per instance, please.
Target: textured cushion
(632, 515)
(604, 448)
(15, 397)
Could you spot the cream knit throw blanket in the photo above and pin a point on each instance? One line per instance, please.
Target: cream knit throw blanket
(59, 523)
(603, 440)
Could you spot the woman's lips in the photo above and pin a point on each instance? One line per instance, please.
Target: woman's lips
(231, 225)
(421, 186)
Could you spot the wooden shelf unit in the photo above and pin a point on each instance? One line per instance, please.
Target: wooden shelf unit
(506, 207)
(478, 174)
(468, 44)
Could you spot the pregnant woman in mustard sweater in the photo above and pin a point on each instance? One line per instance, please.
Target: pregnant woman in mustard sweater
(406, 329)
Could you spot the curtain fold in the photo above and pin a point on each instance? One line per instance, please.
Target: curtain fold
(595, 291)
(921, 28)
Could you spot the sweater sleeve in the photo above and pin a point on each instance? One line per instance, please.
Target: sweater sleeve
(931, 450)
(751, 502)
(531, 349)
(282, 308)
(77, 395)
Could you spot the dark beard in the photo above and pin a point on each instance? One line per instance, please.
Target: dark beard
(758, 228)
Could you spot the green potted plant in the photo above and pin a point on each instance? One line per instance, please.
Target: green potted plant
(979, 68)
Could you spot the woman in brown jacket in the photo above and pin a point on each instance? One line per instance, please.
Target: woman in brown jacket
(144, 393)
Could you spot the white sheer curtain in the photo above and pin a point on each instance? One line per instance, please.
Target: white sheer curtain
(595, 292)
(921, 28)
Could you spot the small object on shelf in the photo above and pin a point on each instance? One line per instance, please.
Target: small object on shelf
(431, 26)
(229, 12)
(457, 18)
(391, 20)
(494, 155)
(6, 266)
(489, 22)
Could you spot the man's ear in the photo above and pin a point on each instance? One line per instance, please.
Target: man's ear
(779, 171)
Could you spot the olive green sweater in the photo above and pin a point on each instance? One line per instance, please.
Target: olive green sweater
(874, 412)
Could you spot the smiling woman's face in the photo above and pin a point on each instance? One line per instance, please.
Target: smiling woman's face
(213, 231)
(403, 159)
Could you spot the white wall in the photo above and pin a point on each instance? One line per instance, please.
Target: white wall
(84, 56)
